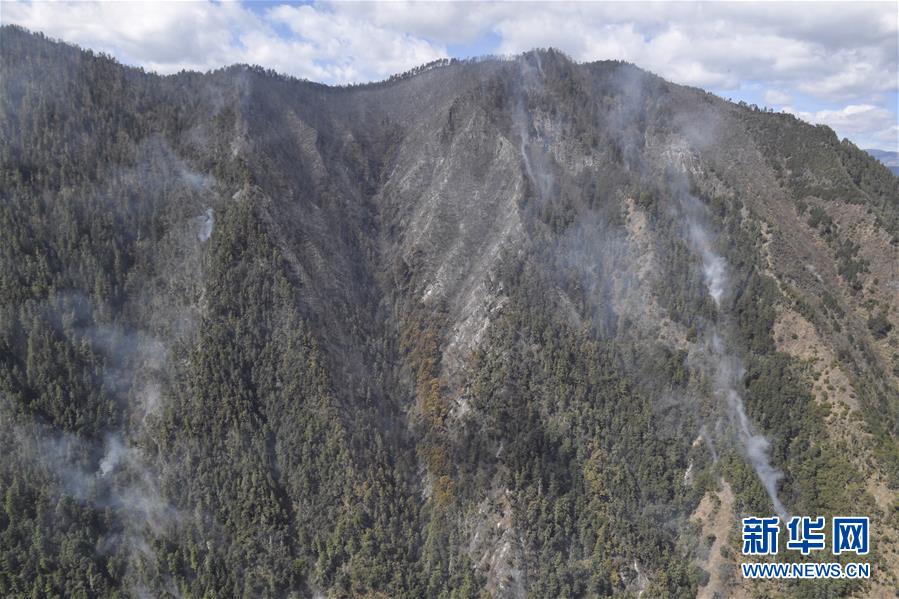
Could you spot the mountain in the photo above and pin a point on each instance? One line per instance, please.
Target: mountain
(889, 159)
(499, 327)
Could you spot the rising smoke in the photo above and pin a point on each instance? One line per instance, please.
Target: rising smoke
(205, 224)
(594, 243)
(713, 265)
(725, 367)
(109, 473)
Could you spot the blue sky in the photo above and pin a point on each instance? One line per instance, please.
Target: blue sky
(827, 62)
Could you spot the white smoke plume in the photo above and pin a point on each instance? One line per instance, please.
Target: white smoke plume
(713, 265)
(721, 362)
(120, 483)
(205, 224)
(726, 369)
(112, 474)
(728, 375)
(535, 163)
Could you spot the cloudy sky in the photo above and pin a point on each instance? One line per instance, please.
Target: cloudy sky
(828, 62)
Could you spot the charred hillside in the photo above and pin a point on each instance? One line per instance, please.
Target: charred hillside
(496, 327)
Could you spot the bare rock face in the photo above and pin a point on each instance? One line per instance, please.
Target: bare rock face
(452, 334)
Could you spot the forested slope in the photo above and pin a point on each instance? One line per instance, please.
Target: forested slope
(489, 328)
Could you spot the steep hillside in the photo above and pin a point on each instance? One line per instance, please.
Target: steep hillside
(489, 328)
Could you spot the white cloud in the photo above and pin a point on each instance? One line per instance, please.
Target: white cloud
(867, 125)
(445, 22)
(835, 51)
(165, 36)
(775, 97)
(354, 49)
(170, 36)
(827, 53)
